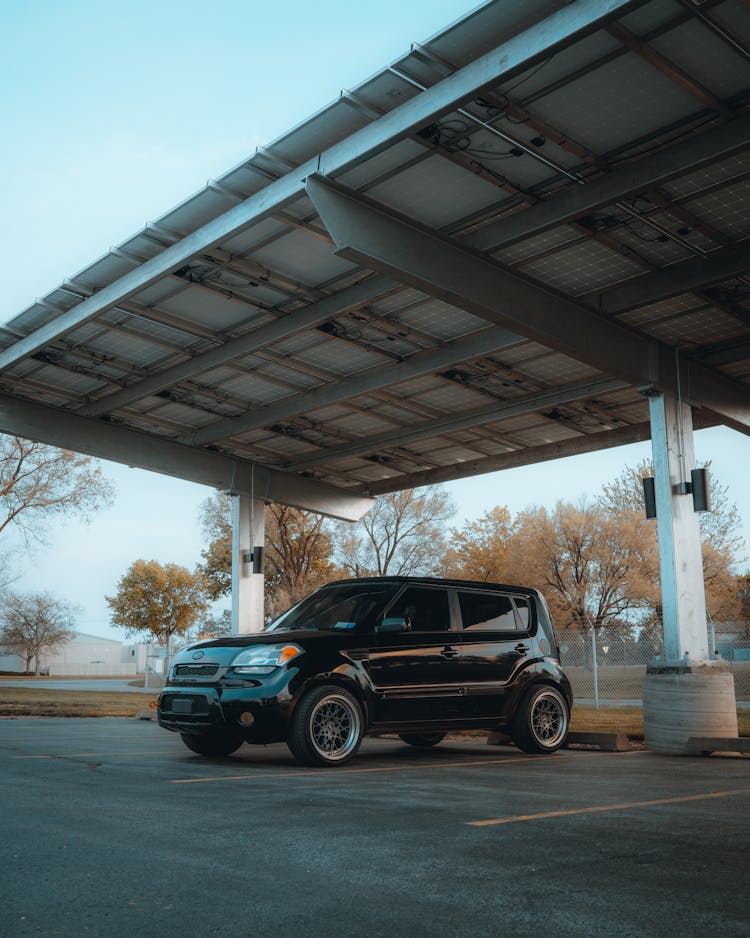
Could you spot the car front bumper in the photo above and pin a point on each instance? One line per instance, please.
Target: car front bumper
(258, 711)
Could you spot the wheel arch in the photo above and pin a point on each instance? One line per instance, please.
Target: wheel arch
(337, 679)
(536, 674)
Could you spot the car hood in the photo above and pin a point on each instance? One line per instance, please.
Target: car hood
(223, 650)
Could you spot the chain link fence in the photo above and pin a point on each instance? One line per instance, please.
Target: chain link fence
(611, 667)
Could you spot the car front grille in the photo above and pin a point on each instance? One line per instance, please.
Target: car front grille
(196, 670)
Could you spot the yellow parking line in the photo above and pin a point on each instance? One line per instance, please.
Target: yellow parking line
(610, 807)
(311, 773)
(115, 752)
(82, 735)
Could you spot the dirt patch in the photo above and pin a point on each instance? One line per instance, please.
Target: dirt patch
(43, 702)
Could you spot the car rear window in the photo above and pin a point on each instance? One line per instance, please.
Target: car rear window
(488, 611)
(524, 611)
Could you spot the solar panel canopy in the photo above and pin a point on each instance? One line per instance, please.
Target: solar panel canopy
(486, 255)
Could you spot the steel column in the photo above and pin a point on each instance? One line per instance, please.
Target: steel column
(680, 558)
(248, 534)
(686, 693)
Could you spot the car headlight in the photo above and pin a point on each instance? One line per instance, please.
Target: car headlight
(262, 659)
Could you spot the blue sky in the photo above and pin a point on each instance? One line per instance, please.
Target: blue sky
(114, 113)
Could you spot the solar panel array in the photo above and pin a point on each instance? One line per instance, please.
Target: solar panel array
(253, 347)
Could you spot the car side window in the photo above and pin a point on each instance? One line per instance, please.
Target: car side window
(427, 609)
(487, 612)
(524, 612)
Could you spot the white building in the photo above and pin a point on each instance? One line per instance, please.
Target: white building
(84, 655)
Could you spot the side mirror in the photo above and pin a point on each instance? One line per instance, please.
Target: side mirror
(394, 624)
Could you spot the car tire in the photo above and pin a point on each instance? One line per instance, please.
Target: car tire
(422, 740)
(327, 727)
(541, 721)
(211, 745)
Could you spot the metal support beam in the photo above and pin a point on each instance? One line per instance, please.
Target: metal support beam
(575, 446)
(307, 318)
(687, 691)
(377, 238)
(432, 428)
(416, 365)
(623, 182)
(683, 594)
(248, 535)
(522, 457)
(144, 451)
(693, 274)
(667, 67)
(539, 42)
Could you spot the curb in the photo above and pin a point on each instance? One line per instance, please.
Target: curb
(606, 742)
(706, 745)
(145, 715)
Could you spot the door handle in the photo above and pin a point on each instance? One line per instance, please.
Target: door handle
(449, 652)
(521, 648)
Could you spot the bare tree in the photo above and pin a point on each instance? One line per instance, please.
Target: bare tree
(592, 567)
(38, 482)
(36, 622)
(298, 555)
(297, 559)
(402, 534)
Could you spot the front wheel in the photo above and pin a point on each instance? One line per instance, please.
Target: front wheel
(326, 728)
(211, 745)
(541, 721)
(422, 740)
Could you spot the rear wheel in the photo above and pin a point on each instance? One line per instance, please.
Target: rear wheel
(541, 721)
(211, 745)
(326, 728)
(422, 740)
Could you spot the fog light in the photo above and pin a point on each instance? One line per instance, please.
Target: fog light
(247, 719)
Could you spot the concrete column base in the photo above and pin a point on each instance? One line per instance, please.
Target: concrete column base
(685, 698)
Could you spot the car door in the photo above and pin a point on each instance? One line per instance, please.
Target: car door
(416, 673)
(495, 643)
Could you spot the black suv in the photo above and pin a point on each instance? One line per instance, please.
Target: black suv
(412, 656)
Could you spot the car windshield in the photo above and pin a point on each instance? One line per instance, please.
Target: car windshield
(346, 607)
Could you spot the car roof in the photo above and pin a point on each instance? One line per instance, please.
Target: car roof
(435, 581)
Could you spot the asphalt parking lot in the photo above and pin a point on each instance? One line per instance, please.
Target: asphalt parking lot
(112, 827)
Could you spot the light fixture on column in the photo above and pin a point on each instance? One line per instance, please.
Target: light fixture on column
(649, 497)
(700, 485)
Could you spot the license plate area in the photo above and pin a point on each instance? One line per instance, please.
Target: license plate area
(186, 706)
